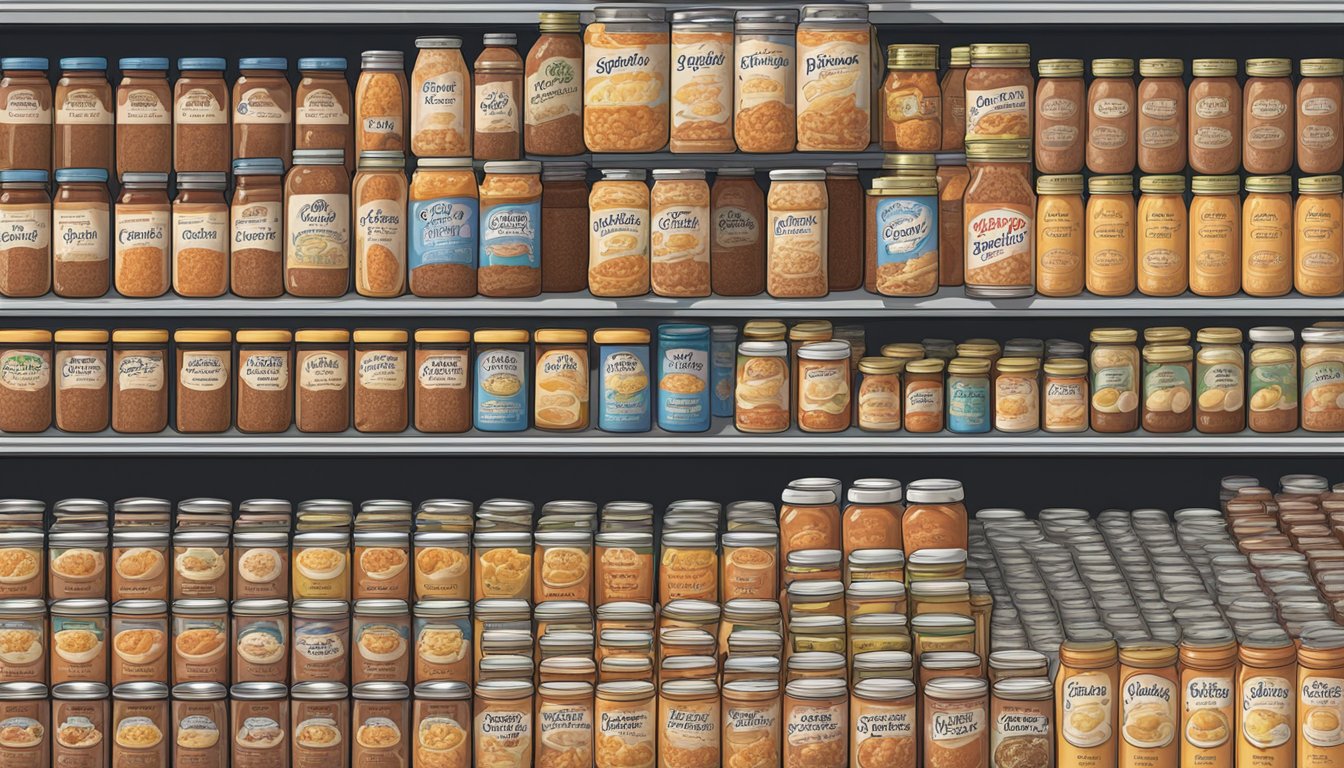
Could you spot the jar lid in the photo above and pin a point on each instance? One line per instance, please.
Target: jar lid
(322, 64)
(374, 159)
(1000, 150)
(200, 606)
(145, 179)
(322, 336)
(381, 690)
(561, 336)
(319, 156)
(79, 691)
(202, 336)
(815, 688)
(143, 63)
(38, 63)
(380, 336)
(442, 336)
(1066, 366)
(88, 63)
(262, 166)
(1323, 335)
(621, 336)
(1168, 353)
(934, 491)
(1113, 336)
(937, 555)
(1214, 67)
(968, 366)
(560, 21)
(1162, 184)
(33, 336)
(1060, 67)
(909, 161)
(201, 63)
(1218, 336)
(315, 608)
(23, 177)
(444, 41)
(1328, 185)
(1018, 364)
(811, 330)
(258, 337)
(903, 351)
(1321, 67)
(924, 366)
(1000, 53)
(1112, 67)
(77, 175)
(625, 690)
(814, 558)
(1269, 184)
(834, 13)
(1272, 334)
(825, 350)
(1110, 185)
(501, 336)
(620, 13)
(140, 691)
(702, 16)
(263, 62)
(147, 336)
(1060, 184)
(767, 20)
(960, 56)
(880, 366)
(1269, 67)
(1161, 67)
(316, 690)
(199, 691)
(385, 59)
(912, 56)
(908, 185)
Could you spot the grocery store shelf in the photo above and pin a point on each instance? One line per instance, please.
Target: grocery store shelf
(870, 158)
(721, 440)
(949, 302)
(1036, 12)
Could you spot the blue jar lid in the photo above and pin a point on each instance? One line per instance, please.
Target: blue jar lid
(30, 176)
(150, 63)
(84, 62)
(206, 63)
(81, 174)
(25, 62)
(263, 62)
(325, 63)
(259, 166)
(689, 331)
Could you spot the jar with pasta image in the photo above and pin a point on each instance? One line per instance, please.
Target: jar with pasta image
(618, 234)
(1061, 240)
(1161, 116)
(1110, 236)
(497, 102)
(1214, 144)
(1320, 121)
(999, 92)
(1111, 117)
(1000, 208)
(625, 85)
(797, 235)
(1061, 116)
(911, 100)
(25, 114)
(143, 235)
(510, 229)
(1318, 237)
(202, 139)
(1220, 381)
(382, 102)
(1064, 397)
(1215, 236)
(25, 249)
(1267, 134)
(1168, 388)
(1322, 357)
(317, 224)
(262, 102)
(1266, 236)
(85, 115)
(323, 118)
(1161, 239)
(553, 71)
(1115, 380)
(441, 104)
(764, 50)
(443, 228)
(200, 236)
(144, 117)
(379, 192)
(1272, 380)
(702, 74)
(834, 83)
(679, 238)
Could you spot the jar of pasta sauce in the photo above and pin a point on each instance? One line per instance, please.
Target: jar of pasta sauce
(999, 210)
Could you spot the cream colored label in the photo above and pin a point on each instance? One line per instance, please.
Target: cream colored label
(383, 369)
(883, 721)
(256, 225)
(1160, 109)
(1319, 106)
(957, 725)
(735, 227)
(83, 106)
(1016, 721)
(318, 231)
(1207, 701)
(200, 229)
(142, 229)
(555, 90)
(323, 372)
(823, 388)
(1266, 137)
(837, 69)
(764, 72)
(681, 229)
(440, 104)
(1268, 109)
(1322, 710)
(1059, 137)
(382, 225)
(1011, 106)
(688, 725)
(617, 232)
(1110, 109)
(633, 726)
(633, 76)
(140, 372)
(1212, 137)
(141, 106)
(80, 370)
(815, 725)
(25, 226)
(204, 371)
(567, 729)
(1058, 108)
(387, 125)
(257, 106)
(81, 234)
(322, 107)
(1211, 107)
(24, 107)
(198, 106)
(444, 370)
(1088, 705)
(1267, 711)
(496, 108)
(264, 372)
(562, 387)
(1317, 137)
(1016, 403)
(1108, 136)
(797, 243)
(702, 82)
(24, 370)
(1148, 711)
(1159, 137)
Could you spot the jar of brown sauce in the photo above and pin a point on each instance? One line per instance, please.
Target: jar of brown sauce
(1320, 115)
(1061, 116)
(1161, 116)
(1267, 134)
(1111, 118)
(1215, 117)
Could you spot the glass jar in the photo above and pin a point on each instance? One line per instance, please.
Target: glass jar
(1215, 236)
(442, 380)
(1320, 123)
(1161, 118)
(822, 703)
(83, 398)
(844, 227)
(999, 91)
(1061, 240)
(1110, 236)
(441, 103)
(1267, 135)
(382, 102)
(265, 400)
(953, 178)
(1168, 391)
(553, 119)
(25, 216)
(969, 396)
(737, 249)
(1161, 239)
(953, 87)
(1115, 380)
(912, 102)
(924, 396)
(902, 233)
(1017, 396)
(1322, 357)
(626, 402)
(25, 128)
(379, 371)
(626, 44)
(1272, 390)
(321, 638)
(761, 394)
(1088, 680)
(322, 114)
(879, 394)
(764, 51)
(683, 377)
(1061, 116)
(510, 230)
(702, 81)
(1064, 395)
(999, 211)
(81, 233)
(85, 115)
(201, 135)
(1266, 681)
(934, 518)
(824, 387)
(834, 79)
(140, 392)
(379, 204)
(618, 239)
(320, 722)
(1220, 371)
(141, 709)
(257, 223)
(501, 380)
(144, 129)
(564, 219)
(680, 233)
(317, 224)
(1215, 117)
(204, 400)
(955, 721)
(80, 703)
(143, 235)
(262, 103)
(561, 380)
(25, 380)
(1266, 242)
(1318, 237)
(498, 99)
(1112, 117)
(200, 243)
(444, 210)
(322, 365)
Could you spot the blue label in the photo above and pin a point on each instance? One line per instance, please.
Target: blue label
(510, 236)
(625, 389)
(443, 231)
(501, 390)
(968, 406)
(724, 372)
(684, 389)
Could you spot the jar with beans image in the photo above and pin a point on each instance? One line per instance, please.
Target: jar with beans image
(1061, 237)
(1161, 116)
(764, 49)
(143, 235)
(85, 115)
(442, 380)
(204, 378)
(265, 387)
(25, 380)
(1215, 100)
(1320, 123)
(202, 139)
(256, 224)
(200, 242)
(497, 112)
(1161, 238)
(702, 72)
(144, 117)
(999, 92)
(262, 102)
(322, 113)
(25, 121)
(379, 203)
(1267, 133)
(83, 399)
(317, 224)
(510, 229)
(625, 86)
(81, 233)
(441, 101)
(737, 251)
(1215, 236)
(379, 371)
(1000, 207)
(1111, 117)
(1267, 236)
(140, 386)
(1061, 116)
(1318, 237)
(797, 239)
(25, 251)
(911, 100)
(1110, 236)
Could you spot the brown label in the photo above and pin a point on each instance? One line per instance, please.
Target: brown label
(442, 650)
(259, 573)
(23, 733)
(321, 733)
(260, 648)
(259, 733)
(379, 734)
(382, 649)
(382, 572)
(79, 649)
(750, 572)
(140, 736)
(139, 573)
(200, 572)
(200, 649)
(139, 649)
(200, 734)
(80, 739)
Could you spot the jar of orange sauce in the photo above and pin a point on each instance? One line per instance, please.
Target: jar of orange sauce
(872, 520)
(1161, 237)
(1208, 662)
(1148, 704)
(1060, 237)
(1267, 236)
(1215, 236)
(1266, 690)
(1320, 669)
(1110, 235)
(1086, 687)
(935, 517)
(808, 519)
(1318, 240)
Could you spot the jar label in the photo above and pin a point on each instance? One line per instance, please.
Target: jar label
(501, 389)
(1319, 106)
(80, 234)
(198, 106)
(683, 388)
(688, 725)
(141, 106)
(796, 245)
(617, 233)
(925, 399)
(321, 106)
(1017, 720)
(83, 106)
(562, 387)
(1317, 137)
(1212, 137)
(679, 234)
(206, 230)
(318, 231)
(1009, 106)
(1065, 405)
(1058, 108)
(907, 244)
(141, 229)
(509, 235)
(567, 726)
(25, 226)
(264, 372)
(1148, 712)
(1268, 109)
(383, 369)
(883, 721)
(81, 370)
(23, 106)
(256, 225)
(1323, 387)
(967, 405)
(1088, 708)
(444, 370)
(1160, 109)
(765, 90)
(761, 721)
(204, 371)
(1159, 137)
(1273, 387)
(1266, 137)
(382, 242)
(382, 125)
(1211, 107)
(1322, 707)
(1267, 706)
(555, 90)
(625, 388)
(824, 388)
(140, 372)
(323, 372)
(735, 227)
(1207, 702)
(438, 104)
(996, 235)
(496, 107)
(1220, 387)
(1110, 109)
(1108, 137)
(702, 92)
(24, 370)
(1016, 403)
(833, 90)
(956, 723)
(1166, 388)
(443, 231)
(634, 727)
(1058, 137)
(258, 106)
(815, 725)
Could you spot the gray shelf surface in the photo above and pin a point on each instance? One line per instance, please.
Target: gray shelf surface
(722, 440)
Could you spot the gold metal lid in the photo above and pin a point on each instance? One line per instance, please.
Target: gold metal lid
(1270, 184)
(960, 56)
(924, 366)
(1168, 353)
(1218, 336)
(981, 351)
(561, 336)
(1269, 67)
(1060, 67)
(1321, 67)
(967, 366)
(1060, 184)
(559, 21)
(1066, 366)
(148, 336)
(1164, 184)
(203, 336)
(880, 365)
(380, 336)
(1113, 335)
(994, 149)
(322, 336)
(1161, 67)
(912, 56)
(1110, 185)
(627, 335)
(81, 336)
(1328, 185)
(764, 330)
(443, 336)
(1018, 364)
(1112, 67)
(812, 330)
(910, 161)
(1011, 54)
(1166, 334)
(501, 336)
(1215, 185)
(903, 351)
(29, 336)
(1214, 67)
(905, 185)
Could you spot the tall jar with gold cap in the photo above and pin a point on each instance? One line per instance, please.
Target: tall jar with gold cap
(1320, 660)
(1161, 237)
(1087, 688)
(1267, 134)
(969, 396)
(1168, 387)
(1017, 394)
(81, 375)
(1115, 380)
(442, 380)
(1220, 381)
(911, 100)
(1266, 693)
(1110, 235)
(1061, 116)
(1266, 236)
(1161, 120)
(902, 234)
(999, 92)
(625, 401)
(1060, 237)
(800, 333)
(1320, 121)
(1000, 208)
(1214, 138)
(25, 380)
(1111, 117)
(1208, 664)
(1149, 704)
(1318, 237)
(953, 87)
(1215, 236)
(561, 379)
